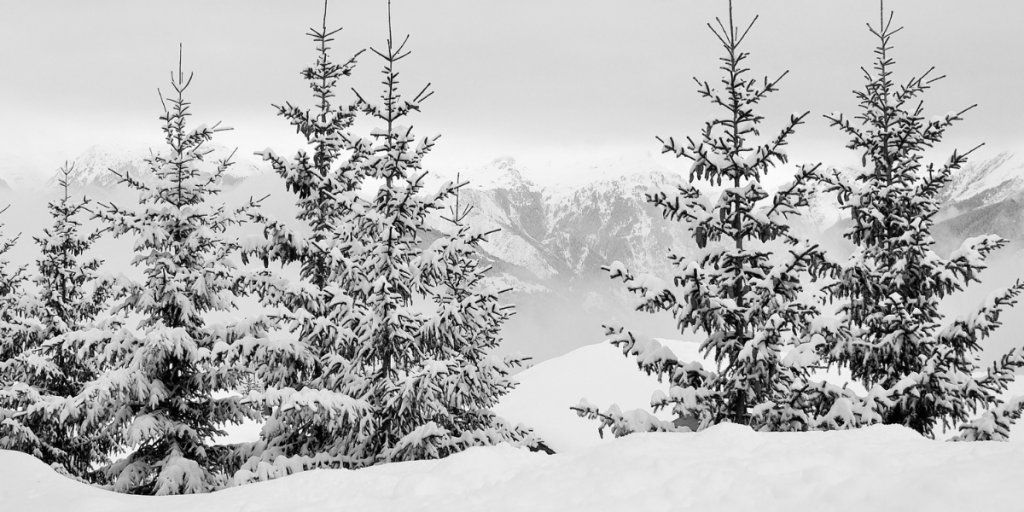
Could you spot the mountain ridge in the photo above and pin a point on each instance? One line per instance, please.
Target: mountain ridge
(102, 165)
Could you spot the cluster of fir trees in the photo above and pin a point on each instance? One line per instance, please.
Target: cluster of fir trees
(747, 287)
(127, 383)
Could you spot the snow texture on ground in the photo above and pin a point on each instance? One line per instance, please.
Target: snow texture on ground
(599, 373)
(725, 468)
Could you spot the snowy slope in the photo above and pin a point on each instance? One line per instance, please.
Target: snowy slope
(602, 375)
(599, 373)
(986, 182)
(984, 197)
(726, 468)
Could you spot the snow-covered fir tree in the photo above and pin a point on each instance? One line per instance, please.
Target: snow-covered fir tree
(424, 383)
(18, 341)
(14, 333)
(70, 295)
(428, 377)
(743, 288)
(163, 391)
(920, 371)
(312, 421)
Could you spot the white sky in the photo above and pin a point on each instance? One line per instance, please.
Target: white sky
(529, 78)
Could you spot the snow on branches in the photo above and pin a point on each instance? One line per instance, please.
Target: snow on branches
(921, 373)
(51, 369)
(743, 288)
(161, 385)
(425, 382)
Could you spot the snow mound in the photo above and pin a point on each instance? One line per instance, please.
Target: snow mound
(602, 375)
(727, 467)
(599, 373)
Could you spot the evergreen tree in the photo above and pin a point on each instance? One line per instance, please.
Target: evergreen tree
(14, 334)
(428, 377)
(162, 391)
(312, 421)
(919, 372)
(71, 295)
(743, 287)
(425, 383)
(18, 340)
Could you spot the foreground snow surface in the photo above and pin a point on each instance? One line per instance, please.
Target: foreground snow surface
(725, 468)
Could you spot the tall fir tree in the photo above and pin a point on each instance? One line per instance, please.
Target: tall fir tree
(425, 383)
(920, 373)
(428, 377)
(744, 287)
(71, 295)
(163, 394)
(19, 340)
(313, 422)
(15, 338)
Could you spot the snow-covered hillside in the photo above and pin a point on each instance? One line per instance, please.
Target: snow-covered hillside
(985, 182)
(727, 467)
(983, 197)
(602, 375)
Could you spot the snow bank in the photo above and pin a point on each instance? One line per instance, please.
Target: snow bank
(727, 467)
(599, 373)
(602, 375)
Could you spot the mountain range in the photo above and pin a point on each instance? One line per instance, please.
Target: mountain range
(559, 223)
(101, 166)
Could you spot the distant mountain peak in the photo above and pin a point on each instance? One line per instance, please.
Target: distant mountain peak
(100, 164)
(504, 162)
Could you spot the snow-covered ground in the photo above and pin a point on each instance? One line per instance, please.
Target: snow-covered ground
(599, 373)
(725, 468)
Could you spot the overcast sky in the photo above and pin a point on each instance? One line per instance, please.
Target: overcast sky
(526, 78)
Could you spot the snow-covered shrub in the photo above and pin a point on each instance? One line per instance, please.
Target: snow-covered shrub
(744, 287)
(920, 370)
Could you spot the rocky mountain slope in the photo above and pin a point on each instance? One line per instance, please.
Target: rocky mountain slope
(558, 225)
(566, 230)
(986, 196)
